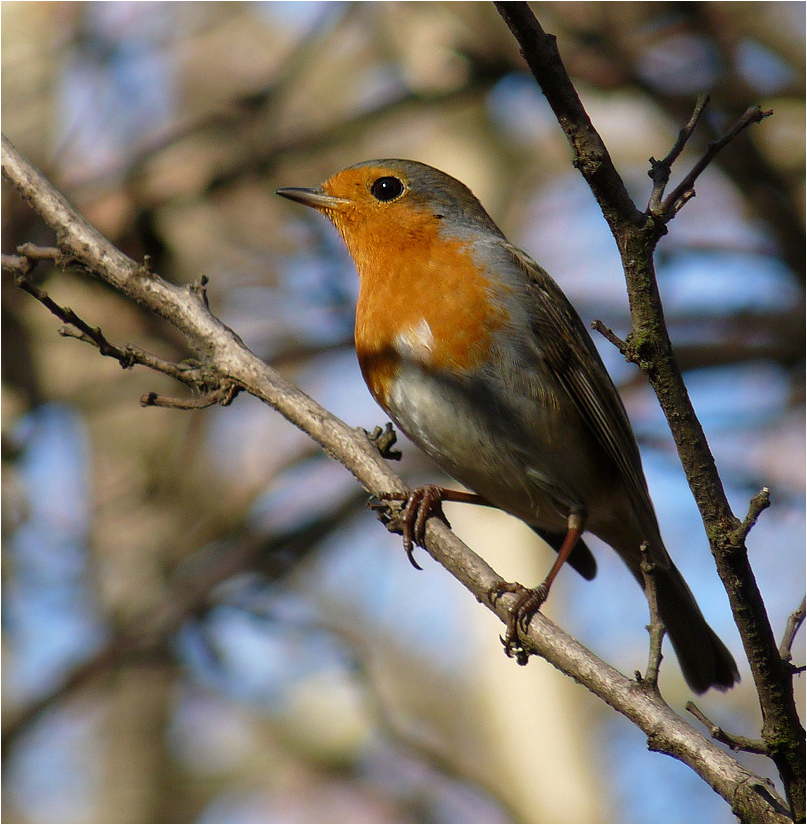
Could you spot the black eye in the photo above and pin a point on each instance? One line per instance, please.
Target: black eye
(387, 189)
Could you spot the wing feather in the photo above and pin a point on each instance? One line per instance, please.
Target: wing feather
(570, 353)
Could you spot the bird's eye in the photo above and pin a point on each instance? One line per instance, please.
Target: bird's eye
(387, 189)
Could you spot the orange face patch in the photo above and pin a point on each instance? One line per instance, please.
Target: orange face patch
(412, 279)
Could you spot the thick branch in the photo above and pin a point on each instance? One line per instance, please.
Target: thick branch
(228, 356)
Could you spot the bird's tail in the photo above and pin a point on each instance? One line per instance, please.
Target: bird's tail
(705, 660)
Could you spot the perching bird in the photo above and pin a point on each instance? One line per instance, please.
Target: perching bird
(478, 356)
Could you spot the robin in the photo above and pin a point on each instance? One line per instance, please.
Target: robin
(478, 356)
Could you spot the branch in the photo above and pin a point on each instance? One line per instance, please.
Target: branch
(590, 156)
(229, 358)
(685, 190)
(21, 266)
(610, 336)
(794, 622)
(656, 627)
(760, 502)
(736, 743)
(660, 169)
(224, 395)
(649, 346)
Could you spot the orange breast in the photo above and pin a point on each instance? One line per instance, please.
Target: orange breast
(415, 284)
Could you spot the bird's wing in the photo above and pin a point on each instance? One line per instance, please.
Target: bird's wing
(570, 353)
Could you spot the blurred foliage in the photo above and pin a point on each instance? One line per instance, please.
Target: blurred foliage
(254, 647)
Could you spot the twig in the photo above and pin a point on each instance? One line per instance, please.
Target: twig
(129, 355)
(794, 622)
(656, 627)
(85, 332)
(759, 503)
(224, 395)
(736, 743)
(79, 329)
(685, 190)
(384, 441)
(609, 335)
(660, 169)
(199, 288)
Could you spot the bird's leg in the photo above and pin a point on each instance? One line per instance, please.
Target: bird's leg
(418, 506)
(528, 601)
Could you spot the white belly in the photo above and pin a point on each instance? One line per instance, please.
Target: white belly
(480, 443)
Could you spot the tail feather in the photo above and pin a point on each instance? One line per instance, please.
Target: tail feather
(705, 660)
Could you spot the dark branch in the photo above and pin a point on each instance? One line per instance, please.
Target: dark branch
(127, 356)
(759, 503)
(611, 336)
(686, 189)
(590, 154)
(660, 169)
(794, 622)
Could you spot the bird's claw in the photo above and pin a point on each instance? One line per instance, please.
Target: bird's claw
(417, 507)
(526, 604)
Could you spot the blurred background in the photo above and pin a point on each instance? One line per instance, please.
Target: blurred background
(202, 622)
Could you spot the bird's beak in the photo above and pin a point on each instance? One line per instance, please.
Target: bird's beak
(315, 198)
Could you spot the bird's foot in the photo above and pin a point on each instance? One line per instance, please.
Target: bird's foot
(417, 507)
(525, 605)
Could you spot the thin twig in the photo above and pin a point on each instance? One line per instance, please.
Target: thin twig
(660, 169)
(686, 189)
(794, 622)
(224, 395)
(656, 627)
(129, 355)
(610, 335)
(759, 503)
(85, 332)
(736, 743)
(79, 329)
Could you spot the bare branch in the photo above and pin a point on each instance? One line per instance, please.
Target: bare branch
(224, 395)
(685, 190)
(611, 336)
(590, 154)
(759, 503)
(660, 169)
(736, 743)
(656, 627)
(794, 622)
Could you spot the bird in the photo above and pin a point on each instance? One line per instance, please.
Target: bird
(477, 355)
